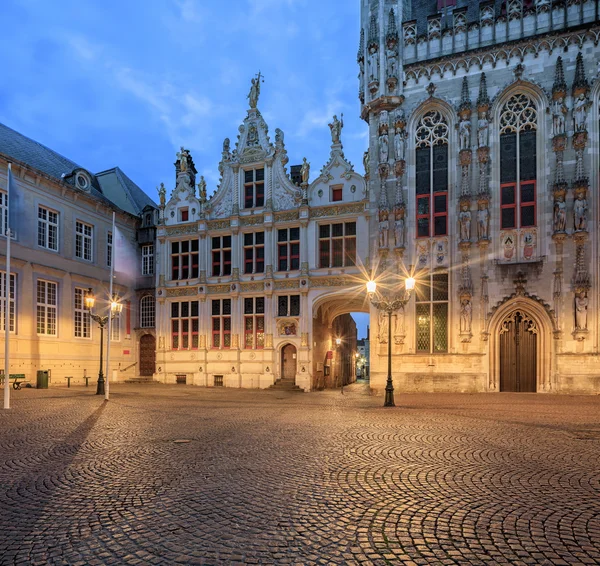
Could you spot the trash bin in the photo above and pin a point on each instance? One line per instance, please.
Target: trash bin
(42, 379)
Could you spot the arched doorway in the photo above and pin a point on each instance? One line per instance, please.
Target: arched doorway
(518, 353)
(288, 362)
(147, 354)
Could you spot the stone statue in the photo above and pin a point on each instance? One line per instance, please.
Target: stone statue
(162, 195)
(400, 144)
(367, 162)
(580, 213)
(399, 227)
(581, 307)
(202, 189)
(254, 91)
(226, 144)
(464, 134)
(560, 214)
(383, 327)
(399, 322)
(183, 157)
(559, 112)
(336, 129)
(278, 137)
(580, 109)
(392, 64)
(482, 130)
(464, 219)
(373, 64)
(383, 148)
(305, 171)
(483, 221)
(384, 227)
(466, 309)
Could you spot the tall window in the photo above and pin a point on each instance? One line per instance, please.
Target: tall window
(46, 307)
(254, 188)
(185, 325)
(221, 323)
(221, 256)
(288, 249)
(109, 248)
(337, 244)
(115, 328)
(83, 240)
(288, 305)
(254, 252)
(3, 212)
(432, 175)
(432, 314)
(11, 302)
(254, 322)
(184, 259)
(518, 167)
(47, 228)
(147, 311)
(148, 259)
(81, 321)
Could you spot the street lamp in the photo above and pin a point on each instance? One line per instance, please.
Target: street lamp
(389, 304)
(115, 308)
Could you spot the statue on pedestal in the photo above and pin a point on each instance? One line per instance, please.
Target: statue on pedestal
(336, 129)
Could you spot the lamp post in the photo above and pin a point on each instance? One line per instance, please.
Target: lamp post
(389, 304)
(115, 308)
(338, 344)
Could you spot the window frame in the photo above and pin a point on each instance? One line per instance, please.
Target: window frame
(187, 262)
(253, 185)
(46, 308)
(147, 314)
(109, 249)
(148, 259)
(82, 328)
(286, 246)
(223, 319)
(348, 241)
(253, 264)
(336, 191)
(254, 313)
(48, 226)
(12, 302)
(84, 241)
(3, 212)
(185, 327)
(431, 303)
(221, 253)
(289, 312)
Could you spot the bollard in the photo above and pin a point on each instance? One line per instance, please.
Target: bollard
(69, 377)
(87, 379)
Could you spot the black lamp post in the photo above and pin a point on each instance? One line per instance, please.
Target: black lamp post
(115, 308)
(389, 304)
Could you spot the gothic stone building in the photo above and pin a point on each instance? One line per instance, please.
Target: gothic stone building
(255, 284)
(483, 181)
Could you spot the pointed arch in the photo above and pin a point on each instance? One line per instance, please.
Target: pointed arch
(545, 327)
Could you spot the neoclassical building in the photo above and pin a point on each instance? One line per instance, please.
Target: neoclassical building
(255, 284)
(483, 181)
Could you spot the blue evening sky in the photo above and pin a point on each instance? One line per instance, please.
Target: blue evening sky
(127, 83)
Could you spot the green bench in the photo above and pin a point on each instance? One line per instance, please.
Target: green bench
(18, 379)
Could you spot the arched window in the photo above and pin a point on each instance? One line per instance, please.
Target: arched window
(432, 175)
(147, 310)
(518, 162)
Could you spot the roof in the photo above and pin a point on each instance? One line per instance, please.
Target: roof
(121, 190)
(111, 186)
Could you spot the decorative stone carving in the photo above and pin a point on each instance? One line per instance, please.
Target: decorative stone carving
(399, 222)
(483, 126)
(384, 228)
(580, 112)
(336, 129)
(580, 208)
(255, 90)
(383, 148)
(400, 137)
(305, 171)
(383, 327)
(581, 310)
(410, 33)
(466, 313)
(162, 195)
(560, 214)
(464, 220)
(483, 221)
(367, 164)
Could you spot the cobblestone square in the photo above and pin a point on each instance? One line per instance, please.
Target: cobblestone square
(281, 478)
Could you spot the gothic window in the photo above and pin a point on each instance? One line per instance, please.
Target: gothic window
(432, 313)
(288, 305)
(432, 175)
(518, 163)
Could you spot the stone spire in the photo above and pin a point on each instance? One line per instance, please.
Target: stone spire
(483, 99)
(361, 47)
(392, 34)
(580, 83)
(560, 86)
(373, 32)
(465, 99)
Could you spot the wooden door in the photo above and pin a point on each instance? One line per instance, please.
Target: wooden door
(288, 362)
(147, 354)
(518, 353)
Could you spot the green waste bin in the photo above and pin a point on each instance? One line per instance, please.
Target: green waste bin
(42, 379)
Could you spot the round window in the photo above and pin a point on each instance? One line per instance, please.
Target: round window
(82, 181)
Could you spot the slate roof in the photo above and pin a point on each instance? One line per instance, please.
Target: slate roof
(112, 187)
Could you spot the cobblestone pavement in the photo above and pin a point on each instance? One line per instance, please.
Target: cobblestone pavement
(279, 478)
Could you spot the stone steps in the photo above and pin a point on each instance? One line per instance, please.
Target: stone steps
(286, 385)
(140, 379)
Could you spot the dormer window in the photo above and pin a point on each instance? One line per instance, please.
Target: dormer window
(254, 188)
(82, 181)
(184, 214)
(336, 193)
